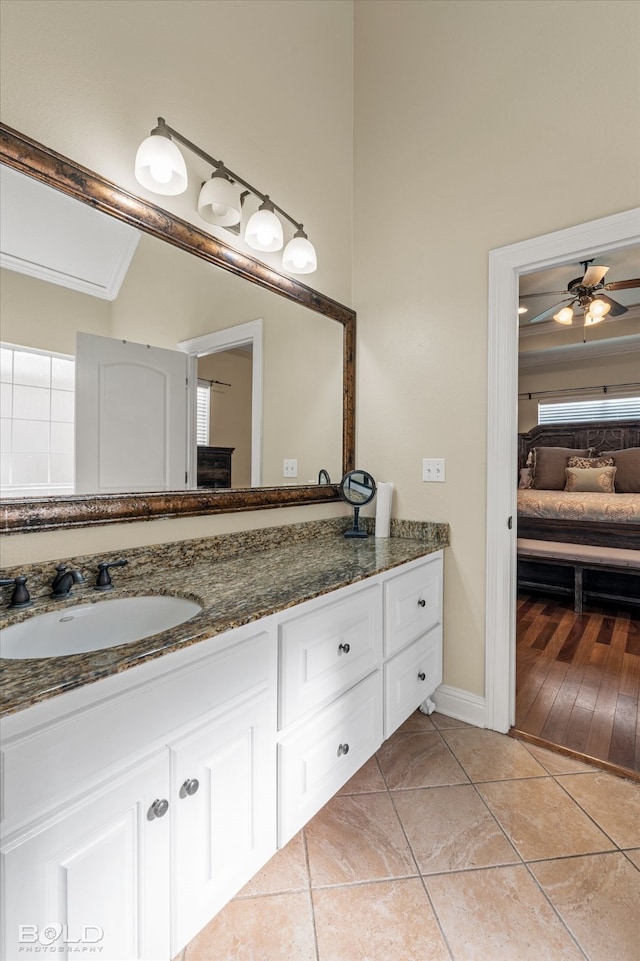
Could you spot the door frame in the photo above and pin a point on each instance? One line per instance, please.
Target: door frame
(506, 265)
(251, 332)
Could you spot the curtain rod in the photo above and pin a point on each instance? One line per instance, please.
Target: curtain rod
(575, 390)
(211, 382)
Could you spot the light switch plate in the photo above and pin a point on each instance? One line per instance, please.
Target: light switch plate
(433, 469)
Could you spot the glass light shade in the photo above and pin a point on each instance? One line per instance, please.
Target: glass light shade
(219, 202)
(591, 319)
(564, 316)
(160, 166)
(299, 256)
(599, 308)
(264, 230)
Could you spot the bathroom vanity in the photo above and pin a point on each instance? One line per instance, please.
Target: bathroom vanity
(143, 786)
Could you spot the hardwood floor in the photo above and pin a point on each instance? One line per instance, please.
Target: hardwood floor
(578, 679)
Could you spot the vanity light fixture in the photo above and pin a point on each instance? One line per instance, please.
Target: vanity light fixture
(160, 167)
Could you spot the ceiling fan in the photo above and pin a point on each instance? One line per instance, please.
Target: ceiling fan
(585, 293)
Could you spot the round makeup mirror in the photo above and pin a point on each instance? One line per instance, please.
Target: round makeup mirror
(357, 488)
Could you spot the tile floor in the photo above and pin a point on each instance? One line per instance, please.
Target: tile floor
(451, 844)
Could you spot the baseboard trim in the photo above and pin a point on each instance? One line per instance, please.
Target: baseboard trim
(461, 705)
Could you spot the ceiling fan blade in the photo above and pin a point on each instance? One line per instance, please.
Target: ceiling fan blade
(593, 275)
(623, 284)
(549, 312)
(617, 309)
(544, 293)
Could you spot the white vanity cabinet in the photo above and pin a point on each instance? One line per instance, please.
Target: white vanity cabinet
(160, 803)
(135, 807)
(413, 638)
(92, 877)
(352, 666)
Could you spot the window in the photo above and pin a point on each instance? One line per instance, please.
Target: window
(203, 412)
(37, 422)
(608, 408)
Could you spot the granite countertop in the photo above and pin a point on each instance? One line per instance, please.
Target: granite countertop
(236, 579)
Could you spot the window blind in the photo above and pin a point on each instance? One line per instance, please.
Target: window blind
(607, 408)
(203, 412)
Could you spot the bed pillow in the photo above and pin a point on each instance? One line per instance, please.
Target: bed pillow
(628, 474)
(590, 479)
(590, 462)
(526, 478)
(549, 464)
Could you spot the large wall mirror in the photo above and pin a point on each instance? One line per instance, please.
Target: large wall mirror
(266, 350)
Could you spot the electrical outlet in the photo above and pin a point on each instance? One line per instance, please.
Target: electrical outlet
(290, 467)
(433, 469)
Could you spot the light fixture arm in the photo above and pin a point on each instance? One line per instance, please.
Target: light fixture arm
(165, 130)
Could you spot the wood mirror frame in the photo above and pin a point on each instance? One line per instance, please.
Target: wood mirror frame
(49, 513)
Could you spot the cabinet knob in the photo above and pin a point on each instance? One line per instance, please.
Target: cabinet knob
(189, 787)
(343, 749)
(422, 676)
(344, 648)
(158, 809)
(422, 602)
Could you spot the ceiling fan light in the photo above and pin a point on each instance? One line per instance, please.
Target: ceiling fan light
(219, 201)
(564, 316)
(599, 308)
(523, 310)
(160, 166)
(299, 255)
(264, 230)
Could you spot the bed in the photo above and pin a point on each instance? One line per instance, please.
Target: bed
(547, 512)
(600, 464)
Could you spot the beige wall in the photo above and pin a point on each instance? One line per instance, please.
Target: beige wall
(594, 372)
(467, 127)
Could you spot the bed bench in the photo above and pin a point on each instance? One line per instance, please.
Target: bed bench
(582, 557)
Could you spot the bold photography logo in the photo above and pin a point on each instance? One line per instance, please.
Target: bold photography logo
(59, 937)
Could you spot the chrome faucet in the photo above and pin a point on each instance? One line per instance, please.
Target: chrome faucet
(64, 581)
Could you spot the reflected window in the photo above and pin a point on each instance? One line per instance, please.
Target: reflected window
(203, 412)
(36, 422)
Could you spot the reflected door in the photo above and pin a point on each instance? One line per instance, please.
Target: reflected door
(131, 416)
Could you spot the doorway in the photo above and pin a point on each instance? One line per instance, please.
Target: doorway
(248, 335)
(506, 264)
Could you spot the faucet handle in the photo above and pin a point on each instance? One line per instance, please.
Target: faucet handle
(103, 582)
(20, 596)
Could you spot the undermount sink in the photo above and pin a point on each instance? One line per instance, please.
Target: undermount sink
(95, 626)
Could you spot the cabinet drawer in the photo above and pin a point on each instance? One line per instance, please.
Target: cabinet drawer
(52, 762)
(410, 677)
(413, 603)
(316, 759)
(326, 650)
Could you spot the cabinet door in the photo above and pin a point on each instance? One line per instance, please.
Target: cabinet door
(410, 677)
(321, 754)
(223, 796)
(327, 649)
(94, 882)
(413, 603)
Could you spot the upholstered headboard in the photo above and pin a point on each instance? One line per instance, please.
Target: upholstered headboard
(600, 435)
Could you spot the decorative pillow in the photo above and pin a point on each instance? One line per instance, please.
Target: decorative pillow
(591, 479)
(526, 478)
(549, 464)
(590, 462)
(627, 462)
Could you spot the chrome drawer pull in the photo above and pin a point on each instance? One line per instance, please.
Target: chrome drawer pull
(344, 648)
(422, 676)
(189, 787)
(343, 749)
(422, 602)
(158, 809)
